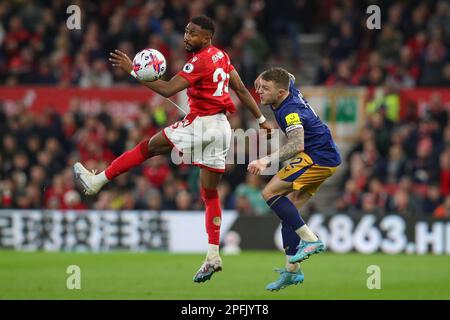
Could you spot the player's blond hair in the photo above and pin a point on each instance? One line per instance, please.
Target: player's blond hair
(279, 76)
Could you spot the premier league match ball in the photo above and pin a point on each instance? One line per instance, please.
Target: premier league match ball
(149, 65)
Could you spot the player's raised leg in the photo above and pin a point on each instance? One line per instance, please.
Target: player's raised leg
(92, 182)
(209, 180)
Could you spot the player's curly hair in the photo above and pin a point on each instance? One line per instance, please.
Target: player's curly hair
(278, 75)
(205, 23)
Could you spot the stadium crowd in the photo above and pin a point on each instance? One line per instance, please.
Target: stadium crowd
(399, 164)
(36, 46)
(411, 49)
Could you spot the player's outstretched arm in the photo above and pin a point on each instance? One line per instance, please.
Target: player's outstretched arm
(165, 88)
(246, 98)
(295, 145)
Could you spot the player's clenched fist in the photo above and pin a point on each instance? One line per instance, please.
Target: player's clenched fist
(268, 127)
(257, 166)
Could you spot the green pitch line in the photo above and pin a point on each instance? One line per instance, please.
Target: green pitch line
(158, 275)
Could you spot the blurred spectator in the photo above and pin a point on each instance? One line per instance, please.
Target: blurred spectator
(156, 171)
(350, 198)
(243, 206)
(154, 201)
(435, 110)
(444, 174)
(72, 200)
(183, 201)
(387, 103)
(435, 54)
(446, 76)
(254, 51)
(402, 204)
(97, 76)
(441, 19)
(443, 211)
(389, 43)
(251, 190)
(432, 200)
(394, 166)
(423, 168)
(369, 206)
(380, 196)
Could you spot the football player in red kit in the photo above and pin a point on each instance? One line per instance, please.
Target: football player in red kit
(205, 132)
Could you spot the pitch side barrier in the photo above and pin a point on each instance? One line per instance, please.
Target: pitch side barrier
(176, 231)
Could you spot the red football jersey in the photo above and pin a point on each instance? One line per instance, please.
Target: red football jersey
(208, 73)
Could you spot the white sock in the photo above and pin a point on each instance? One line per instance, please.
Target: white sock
(100, 178)
(213, 250)
(306, 234)
(291, 267)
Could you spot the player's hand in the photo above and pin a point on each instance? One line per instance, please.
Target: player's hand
(257, 83)
(266, 125)
(120, 60)
(257, 166)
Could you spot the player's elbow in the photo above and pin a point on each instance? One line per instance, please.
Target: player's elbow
(165, 91)
(166, 94)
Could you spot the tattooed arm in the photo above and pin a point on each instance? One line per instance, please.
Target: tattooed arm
(294, 145)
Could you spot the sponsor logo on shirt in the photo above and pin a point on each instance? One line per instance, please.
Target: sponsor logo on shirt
(293, 119)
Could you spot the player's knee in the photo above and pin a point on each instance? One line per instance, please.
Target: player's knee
(143, 148)
(267, 194)
(157, 146)
(209, 194)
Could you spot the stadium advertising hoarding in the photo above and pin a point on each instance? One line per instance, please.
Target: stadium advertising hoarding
(341, 108)
(415, 101)
(53, 230)
(123, 103)
(176, 231)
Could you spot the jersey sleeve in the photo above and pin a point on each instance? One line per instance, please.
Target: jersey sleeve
(193, 71)
(292, 119)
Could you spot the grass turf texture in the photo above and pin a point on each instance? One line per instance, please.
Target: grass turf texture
(159, 275)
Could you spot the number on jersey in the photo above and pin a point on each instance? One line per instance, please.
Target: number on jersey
(222, 84)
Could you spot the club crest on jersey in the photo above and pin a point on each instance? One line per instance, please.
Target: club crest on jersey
(293, 119)
(188, 67)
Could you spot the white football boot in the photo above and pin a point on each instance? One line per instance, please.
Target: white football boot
(87, 179)
(208, 268)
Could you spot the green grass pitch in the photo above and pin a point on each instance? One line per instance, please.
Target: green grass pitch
(160, 275)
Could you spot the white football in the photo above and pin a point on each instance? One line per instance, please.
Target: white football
(149, 65)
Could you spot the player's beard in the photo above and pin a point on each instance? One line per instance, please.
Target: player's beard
(192, 48)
